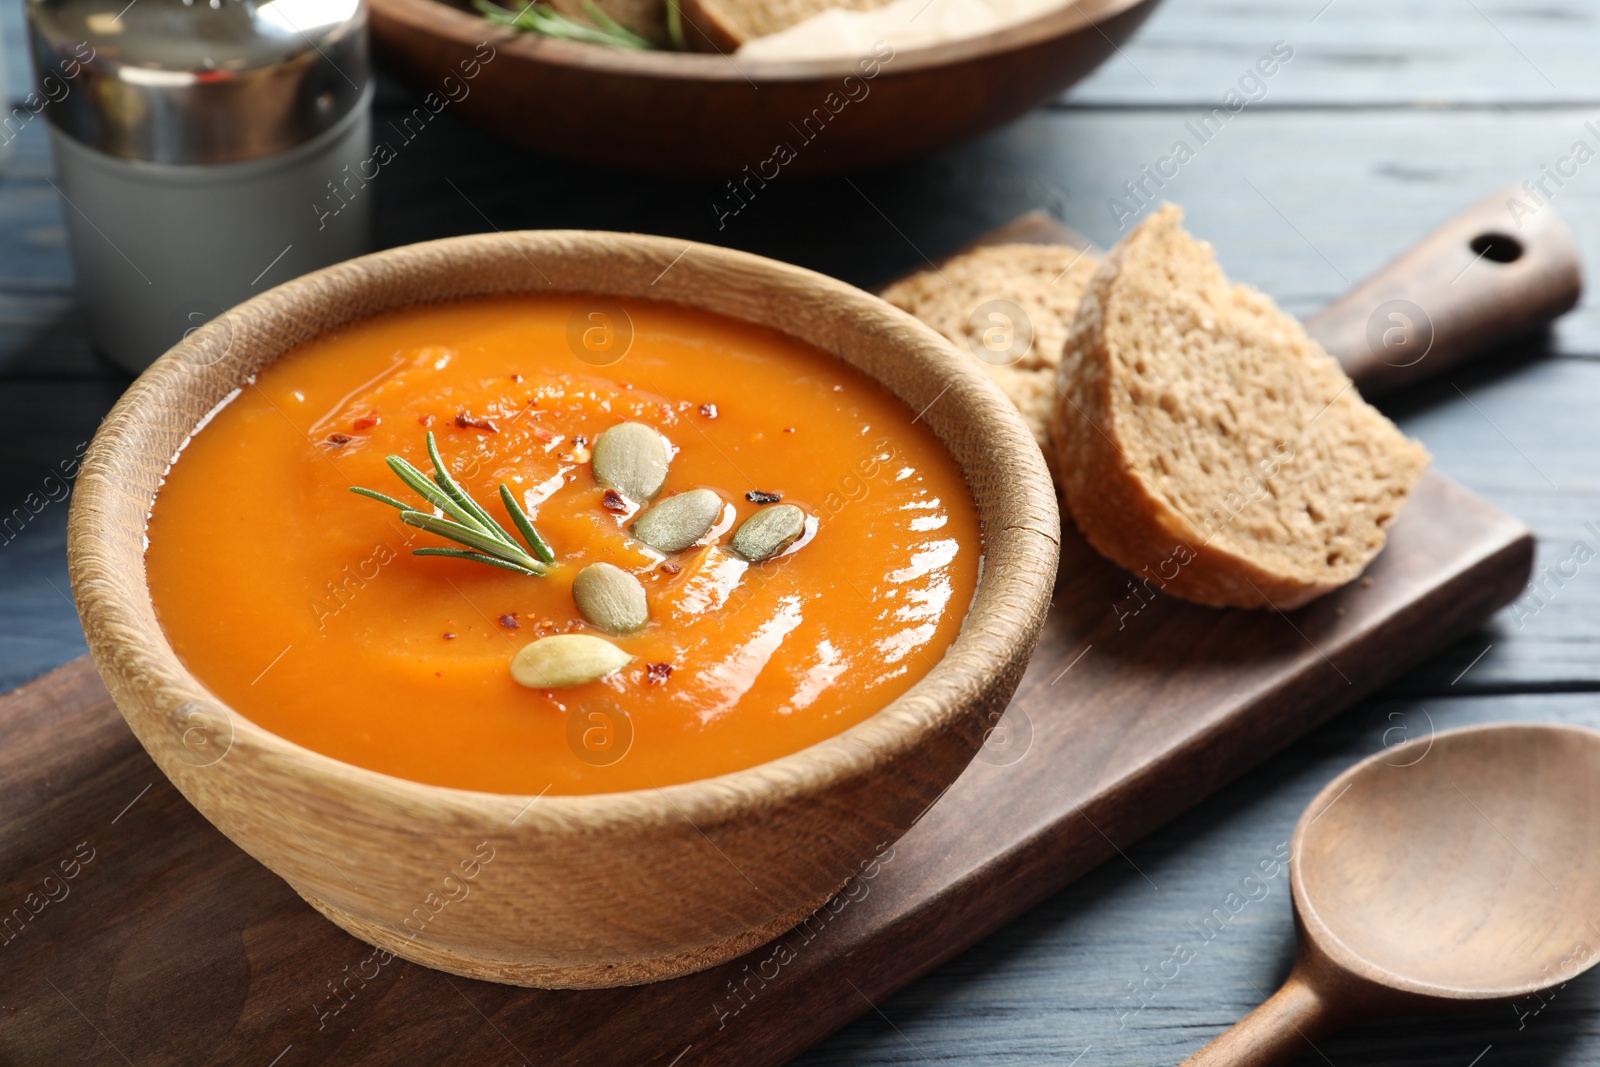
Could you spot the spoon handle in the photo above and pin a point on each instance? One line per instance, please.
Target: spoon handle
(1276, 1033)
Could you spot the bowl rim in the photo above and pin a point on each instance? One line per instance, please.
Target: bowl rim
(467, 29)
(1016, 571)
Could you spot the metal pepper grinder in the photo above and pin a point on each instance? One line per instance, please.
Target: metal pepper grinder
(206, 150)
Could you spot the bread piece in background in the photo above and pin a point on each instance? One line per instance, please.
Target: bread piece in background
(1207, 444)
(1046, 282)
(727, 24)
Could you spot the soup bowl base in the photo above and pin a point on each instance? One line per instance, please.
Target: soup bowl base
(528, 972)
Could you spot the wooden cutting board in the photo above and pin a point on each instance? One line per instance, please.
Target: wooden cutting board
(137, 934)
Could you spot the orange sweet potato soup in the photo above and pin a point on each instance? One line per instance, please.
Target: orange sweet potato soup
(588, 642)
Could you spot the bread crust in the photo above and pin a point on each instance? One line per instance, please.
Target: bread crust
(709, 26)
(724, 25)
(1119, 511)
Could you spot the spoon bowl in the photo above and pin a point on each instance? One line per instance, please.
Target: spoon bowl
(1449, 871)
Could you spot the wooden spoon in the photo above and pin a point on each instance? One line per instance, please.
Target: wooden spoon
(1453, 870)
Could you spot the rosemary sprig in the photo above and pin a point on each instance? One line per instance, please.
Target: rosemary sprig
(675, 27)
(465, 521)
(546, 20)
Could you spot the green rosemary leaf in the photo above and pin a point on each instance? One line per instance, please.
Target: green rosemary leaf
(613, 27)
(476, 557)
(380, 498)
(465, 535)
(555, 24)
(525, 525)
(469, 523)
(424, 488)
(543, 19)
(675, 27)
(490, 527)
(453, 488)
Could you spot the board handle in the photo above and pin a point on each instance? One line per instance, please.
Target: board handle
(1494, 272)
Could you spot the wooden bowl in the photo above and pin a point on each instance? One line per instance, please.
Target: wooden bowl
(566, 891)
(705, 116)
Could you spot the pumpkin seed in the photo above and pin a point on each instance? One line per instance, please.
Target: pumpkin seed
(768, 532)
(632, 458)
(610, 598)
(566, 659)
(679, 521)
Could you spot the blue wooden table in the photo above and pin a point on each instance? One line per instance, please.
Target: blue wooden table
(1391, 115)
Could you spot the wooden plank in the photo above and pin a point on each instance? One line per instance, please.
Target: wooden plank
(1520, 434)
(1299, 205)
(1352, 188)
(1335, 194)
(1131, 712)
(1428, 53)
(41, 330)
(44, 427)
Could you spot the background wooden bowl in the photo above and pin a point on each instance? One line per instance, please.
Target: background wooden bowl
(704, 116)
(582, 890)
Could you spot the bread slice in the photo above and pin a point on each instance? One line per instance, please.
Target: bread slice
(1046, 281)
(1208, 445)
(727, 24)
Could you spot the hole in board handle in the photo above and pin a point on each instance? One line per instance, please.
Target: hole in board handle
(1496, 246)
